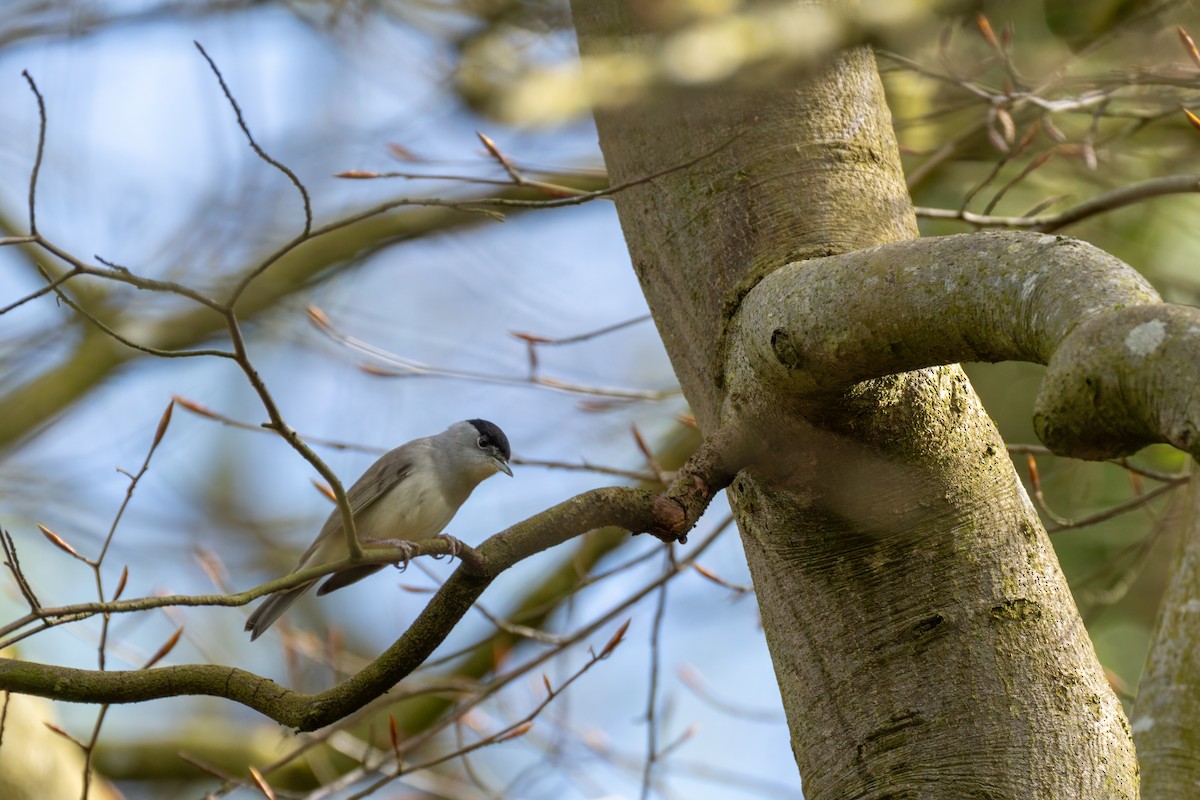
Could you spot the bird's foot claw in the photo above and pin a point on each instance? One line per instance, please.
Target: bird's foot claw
(403, 545)
(456, 546)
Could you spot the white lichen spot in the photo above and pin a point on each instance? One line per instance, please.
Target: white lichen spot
(1027, 288)
(1146, 338)
(1144, 724)
(1192, 606)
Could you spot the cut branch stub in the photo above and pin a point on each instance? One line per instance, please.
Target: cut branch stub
(710, 469)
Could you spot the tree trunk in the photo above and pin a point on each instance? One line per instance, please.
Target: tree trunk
(924, 639)
(1168, 702)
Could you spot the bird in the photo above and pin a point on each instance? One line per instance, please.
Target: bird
(411, 492)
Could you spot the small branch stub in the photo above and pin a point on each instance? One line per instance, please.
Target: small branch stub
(671, 521)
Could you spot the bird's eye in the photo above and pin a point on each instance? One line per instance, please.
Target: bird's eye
(483, 443)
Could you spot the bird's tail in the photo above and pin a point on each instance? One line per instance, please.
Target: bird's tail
(272, 609)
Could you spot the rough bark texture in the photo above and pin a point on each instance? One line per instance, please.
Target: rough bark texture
(1168, 703)
(783, 184)
(923, 637)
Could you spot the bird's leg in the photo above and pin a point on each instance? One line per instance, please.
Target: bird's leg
(403, 545)
(456, 547)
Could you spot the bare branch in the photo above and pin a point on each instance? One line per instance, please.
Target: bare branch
(11, 561)
(652, 753)
(115, 272)
(404, 367)
(55, 286)
(1123, 463)
(47, 289)
(1048, 223)
(41, 151)
(308, 215)
(54, 616)
(668, 517)
(1121, 508)
(290, 436)
(208, 413)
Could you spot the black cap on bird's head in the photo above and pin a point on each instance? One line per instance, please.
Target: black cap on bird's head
(492, 438)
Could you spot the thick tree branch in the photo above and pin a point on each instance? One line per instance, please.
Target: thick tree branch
(433, 695)
(668, 517)
(1121, 362)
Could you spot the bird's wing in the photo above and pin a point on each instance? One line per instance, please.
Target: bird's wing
(380, 478)
(346, 577)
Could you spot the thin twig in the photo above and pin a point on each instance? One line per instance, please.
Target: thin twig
(124, 275)
(1062, 523)
(89, 748)
(507, 202)
(41, 149)
(289, 435)
(337, 444)
(54, 616)
(204, 767)
(517, 177)
(737, 588)
(1048, 223)
(1034, 97)
(1126, 565)
(511, 731)
(403, 367)
(308, 215)
(660, 608)
(690, 677)
(4, 714)
(1123, 463)
(50, 287)
(533, 341)
(1037, 162)
(659, 473)
(1121, 508)
(54, 286)
(538, 610)
(586, 466)
(11, 561)
(579, 337)
(468, 765)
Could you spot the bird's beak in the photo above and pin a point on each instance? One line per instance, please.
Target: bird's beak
(503, 466)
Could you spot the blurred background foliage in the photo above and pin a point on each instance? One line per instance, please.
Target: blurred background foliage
(1001, 108)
